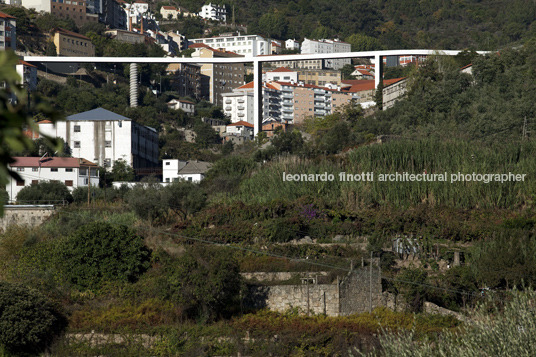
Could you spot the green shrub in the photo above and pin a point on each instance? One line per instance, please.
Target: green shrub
(29, 322)
(100, 252)
(204, 282)
(50, 192)
(494, 331)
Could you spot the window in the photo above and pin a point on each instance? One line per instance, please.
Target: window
(189, 179)
(77, 145)
(107, 162)
(53, 169)
(35, 182)
(35, 169)
(69, 183)
(168, 163)
(70, 169)
(20, 182)
(20, 169)
(77, 128)
(108, 144)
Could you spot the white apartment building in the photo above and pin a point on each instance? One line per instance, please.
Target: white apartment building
(328, 46)
(238, 105)
(193, 171)
(8, 33)
(281, 74)
(106, 137)
(292, 44)
(71, 171)
(247, 46)
(213, 12)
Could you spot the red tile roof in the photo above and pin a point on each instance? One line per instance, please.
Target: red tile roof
(26, 63)
(6, 16)
(246, 86)
(44, 122)
(169, 8)
(241, 123)
(50, 162)
(467, 66)
(363, 85)
(70, 33)
(365, 72)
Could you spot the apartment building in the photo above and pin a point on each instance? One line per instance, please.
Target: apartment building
(394, 92)
(281, 74)
(298, 64)
(188, 81)
(319, 77)
(292, 44)
(247, 46)
(106, 137)
(28, 75)
(213, 12)
(327, 46)
(222, 78)
(8, 32)
(238, 104)
(72, 44)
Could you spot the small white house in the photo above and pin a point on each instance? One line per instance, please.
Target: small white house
(240, 128)
(193, 171)
(292, 44)
(184, 105)
(71, 171)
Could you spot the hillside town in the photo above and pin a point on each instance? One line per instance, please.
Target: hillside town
(285, 178)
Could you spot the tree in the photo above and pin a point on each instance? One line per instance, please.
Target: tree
(48, 192)
(121, 171)
(184, 197)
(288, 142)
(14, 116)
(99, 252)
(347, 71)
(205, 135)
(361, 42)
(410, 284)
(205, 282)
(29, 322)
(147, 201)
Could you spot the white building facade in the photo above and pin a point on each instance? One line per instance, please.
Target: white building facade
(71, 171)
(238, 105)
(328, 46)
(253, 45)
(192, 171)
(106, 137)
(213, 12)
(184, 105)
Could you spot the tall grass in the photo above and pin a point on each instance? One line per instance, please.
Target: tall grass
(412, 157)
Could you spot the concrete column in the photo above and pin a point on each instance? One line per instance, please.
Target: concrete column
(257, 97)
(133, 85)
(378, 70)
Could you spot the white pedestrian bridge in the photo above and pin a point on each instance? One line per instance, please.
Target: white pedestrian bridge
(257, 64)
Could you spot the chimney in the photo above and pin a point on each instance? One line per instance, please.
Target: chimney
(129, 22)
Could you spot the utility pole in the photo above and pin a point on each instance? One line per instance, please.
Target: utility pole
(370, 284)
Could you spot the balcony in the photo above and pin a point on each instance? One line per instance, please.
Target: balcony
(241, 107)
(228, 109)
(241, 101)
(241, 115)
(228, 101)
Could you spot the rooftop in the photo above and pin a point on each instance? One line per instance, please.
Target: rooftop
(195, 167)
(242, 123)
(97, 114)
(51, 162)
(6, 16)
(70, 33)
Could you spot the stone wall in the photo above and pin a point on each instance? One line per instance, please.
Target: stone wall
(360, 290)
(348, 296)
(315, 298)
(280, 276)
(31, 216)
